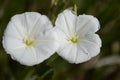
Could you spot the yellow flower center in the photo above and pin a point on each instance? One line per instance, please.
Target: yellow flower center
(28, 41)
(74, 39)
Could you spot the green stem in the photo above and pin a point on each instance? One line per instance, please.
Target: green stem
(52, 59)
(46, 73)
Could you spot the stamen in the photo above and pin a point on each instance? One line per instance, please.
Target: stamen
(28, 41)
(74, 39)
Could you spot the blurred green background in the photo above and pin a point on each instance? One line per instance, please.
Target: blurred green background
(105, 66)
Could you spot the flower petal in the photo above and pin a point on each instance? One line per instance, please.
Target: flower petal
(68, 52)
(11, 43)
(38, 28)
(29, 57)
(87, 24)
(93, 38)
(25, 22)
(81, 55)
(83, 27)
(46, 45)
(41, 26)
(26, 56)
(61, 36)
(66, 22)
(90, 47)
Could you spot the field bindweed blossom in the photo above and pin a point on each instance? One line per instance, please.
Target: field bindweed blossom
(29, 38)
(77, 39)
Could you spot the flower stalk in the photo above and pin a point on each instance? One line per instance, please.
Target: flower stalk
(46, 73)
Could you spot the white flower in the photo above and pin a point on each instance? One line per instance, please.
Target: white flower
(29, 38)
(77, 38)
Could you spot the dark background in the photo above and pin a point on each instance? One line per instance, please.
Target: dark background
(105, 66)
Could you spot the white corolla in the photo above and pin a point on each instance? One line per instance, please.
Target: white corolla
(77, 39)
(29, 38)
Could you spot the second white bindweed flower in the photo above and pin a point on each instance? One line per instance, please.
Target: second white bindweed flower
(29, 38)
(76, 36)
